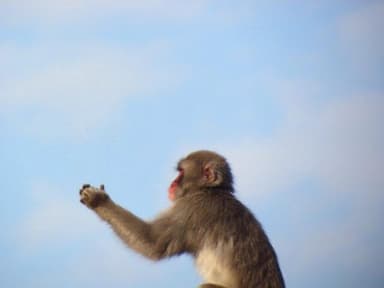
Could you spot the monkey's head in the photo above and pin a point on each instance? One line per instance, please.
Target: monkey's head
(199, 171)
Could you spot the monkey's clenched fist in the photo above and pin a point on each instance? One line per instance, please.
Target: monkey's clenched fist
(92, 197)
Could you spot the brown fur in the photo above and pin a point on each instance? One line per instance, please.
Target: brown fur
(206, 220)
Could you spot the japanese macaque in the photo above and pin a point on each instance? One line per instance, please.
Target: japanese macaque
(230, 247)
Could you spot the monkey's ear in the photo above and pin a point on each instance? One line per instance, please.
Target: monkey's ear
(211, 174)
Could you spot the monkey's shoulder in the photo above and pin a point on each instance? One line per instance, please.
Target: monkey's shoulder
(215, 210)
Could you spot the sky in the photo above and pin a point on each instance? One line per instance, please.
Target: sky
(116, 92)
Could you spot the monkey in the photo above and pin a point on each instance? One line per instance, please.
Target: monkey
(205, 220)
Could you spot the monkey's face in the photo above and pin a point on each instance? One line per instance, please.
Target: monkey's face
(200, 170)
(186, 180)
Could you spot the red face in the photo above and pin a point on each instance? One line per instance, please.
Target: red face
(173, 187)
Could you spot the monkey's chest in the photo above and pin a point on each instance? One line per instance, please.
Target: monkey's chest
(214, 268)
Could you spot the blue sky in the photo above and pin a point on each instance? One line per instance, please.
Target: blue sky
(115, 92)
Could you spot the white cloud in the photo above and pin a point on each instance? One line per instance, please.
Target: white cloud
(338, 141)
(53, 219)
(69, 91)
(361, 35)
(118, 266)
(60, 11)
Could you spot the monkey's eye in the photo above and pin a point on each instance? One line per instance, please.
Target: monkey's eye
(179, 176)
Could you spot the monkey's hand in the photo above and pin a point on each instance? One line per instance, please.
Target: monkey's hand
(93, 197)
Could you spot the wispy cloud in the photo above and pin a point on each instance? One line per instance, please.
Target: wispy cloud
(60, 11)
(53, 219)
(337, 141)
(69, 91)
(361, 35)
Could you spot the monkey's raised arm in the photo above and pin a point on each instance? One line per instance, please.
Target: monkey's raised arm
(154, 240)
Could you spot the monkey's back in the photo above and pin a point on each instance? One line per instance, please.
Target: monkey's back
(230, 241)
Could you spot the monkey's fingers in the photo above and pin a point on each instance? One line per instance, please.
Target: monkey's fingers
(83, 197)
(85, 186)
